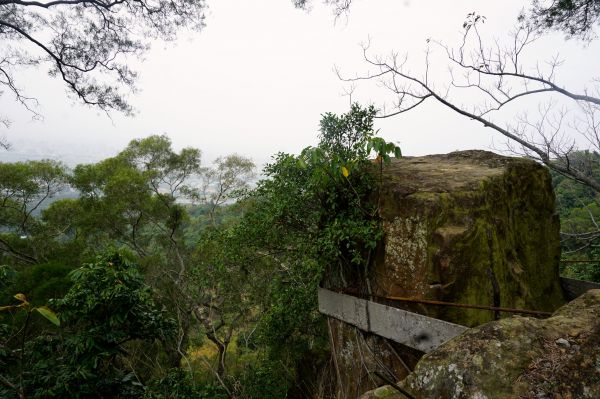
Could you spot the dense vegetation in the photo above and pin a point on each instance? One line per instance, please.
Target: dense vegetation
(166, 279)
(148, 275)
(579, 210)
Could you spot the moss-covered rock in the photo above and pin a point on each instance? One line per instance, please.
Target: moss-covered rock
(516, 357)
(469, 227)
(384, 392)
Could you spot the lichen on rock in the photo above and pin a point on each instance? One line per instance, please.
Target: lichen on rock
(517, 357)
(469, 227)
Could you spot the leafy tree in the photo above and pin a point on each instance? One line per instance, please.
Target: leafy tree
(574, 17)
(252, 282)
(311, 212)
(87, 43)
(178, 384)
(108, 307)
(132, 201)
(569, 193)
(224, 182)
(222, 292)
(15, 356)
(132, 198)
(40, 282)
(24, 188)
(579, 212)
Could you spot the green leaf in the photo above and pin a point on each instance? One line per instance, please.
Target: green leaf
(48, 314)
(21, 297)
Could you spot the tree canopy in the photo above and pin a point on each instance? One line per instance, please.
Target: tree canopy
(89, 44)
(574, 17)
(237, 278)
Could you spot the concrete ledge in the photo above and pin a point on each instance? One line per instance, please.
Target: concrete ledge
(411, 329)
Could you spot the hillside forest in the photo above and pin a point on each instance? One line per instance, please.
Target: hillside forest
(154, 274)
(163, 278)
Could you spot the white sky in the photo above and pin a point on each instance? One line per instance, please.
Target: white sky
(256, 80)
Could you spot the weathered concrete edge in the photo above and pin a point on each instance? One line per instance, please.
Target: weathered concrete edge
(411, 329)
(575, 288)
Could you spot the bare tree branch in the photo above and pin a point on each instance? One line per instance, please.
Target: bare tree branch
(497, 73)
(492, 77)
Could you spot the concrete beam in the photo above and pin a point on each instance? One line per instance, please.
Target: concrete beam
(411, 329)
(575, 288)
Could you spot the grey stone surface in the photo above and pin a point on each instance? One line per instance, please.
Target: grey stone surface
(517, 357)
(411, 329)
(575, 288)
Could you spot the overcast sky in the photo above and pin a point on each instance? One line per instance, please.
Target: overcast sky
(256, 80)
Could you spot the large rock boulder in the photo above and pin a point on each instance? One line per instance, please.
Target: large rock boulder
(517, 357)
(470, 227)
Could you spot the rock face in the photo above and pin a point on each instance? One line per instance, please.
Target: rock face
(469, 227)
(517, 357)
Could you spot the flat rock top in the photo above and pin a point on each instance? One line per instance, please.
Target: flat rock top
(461, 170)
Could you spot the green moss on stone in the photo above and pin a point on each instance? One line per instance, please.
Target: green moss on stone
(490, 233)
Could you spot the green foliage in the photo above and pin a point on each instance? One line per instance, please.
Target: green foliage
(584, 271)
(133, 202)
(111, 300)
(579, 209)
(573, 17)
(267, 380)
(42, 282)
(178, 384)
(340, 179)
(244, 273)
(48, 314)
(310, 212)
(26, 306)
(7, 276)
(24, 188)
(108, 306)
(226, 181)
